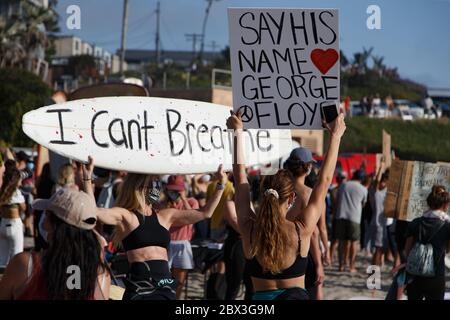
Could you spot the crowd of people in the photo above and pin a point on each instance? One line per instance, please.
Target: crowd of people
(374, 105)
(279, 232)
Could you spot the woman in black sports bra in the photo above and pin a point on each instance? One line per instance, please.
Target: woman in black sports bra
(276, 248)
(144, 232)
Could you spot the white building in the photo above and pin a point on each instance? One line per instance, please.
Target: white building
(68, 46)
(86, 48)
(98, 52)
(115, 64)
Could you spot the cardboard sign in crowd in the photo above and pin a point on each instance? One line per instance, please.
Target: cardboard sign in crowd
(285, 65)
(409, 184)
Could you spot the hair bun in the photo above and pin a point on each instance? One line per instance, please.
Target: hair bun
(439, 190)
(271, 192)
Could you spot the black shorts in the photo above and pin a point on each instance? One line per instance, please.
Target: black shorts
(347, 230)
(143, 284)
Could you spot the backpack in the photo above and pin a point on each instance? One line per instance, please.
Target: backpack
(420, 261)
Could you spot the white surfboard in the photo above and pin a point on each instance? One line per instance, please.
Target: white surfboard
(149, 135)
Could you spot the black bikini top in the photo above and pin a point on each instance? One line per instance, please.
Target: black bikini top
(297, 269)
(149, 233)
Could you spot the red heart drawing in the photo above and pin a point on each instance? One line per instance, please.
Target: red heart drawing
(324, 59)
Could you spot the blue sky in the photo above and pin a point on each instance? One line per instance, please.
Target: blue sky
(414, 35)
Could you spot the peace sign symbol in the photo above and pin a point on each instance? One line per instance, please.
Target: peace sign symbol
(246, 113)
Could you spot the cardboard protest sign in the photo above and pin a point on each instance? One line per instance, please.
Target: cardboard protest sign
(398, 187)
(409, 184)
(387, 149)
(285, 65)
(149, 135)
(424, 177)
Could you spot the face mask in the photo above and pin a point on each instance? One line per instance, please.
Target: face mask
(308, 172)
(41, 228)
(173, 195)
(205, 178)
(153, 194)
(30, 166)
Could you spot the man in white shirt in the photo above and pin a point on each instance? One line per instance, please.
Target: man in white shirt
(352, 196)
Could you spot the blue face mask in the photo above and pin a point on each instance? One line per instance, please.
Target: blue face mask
(41, 228)
(30, 166)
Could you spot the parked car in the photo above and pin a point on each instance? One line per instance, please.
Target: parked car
(356, 108)
(443, 108)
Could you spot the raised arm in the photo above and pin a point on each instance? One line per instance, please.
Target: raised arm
(184, 217)
(230, 215)
(376, 181)
(316, 204)
(241, 185)
(112, 216)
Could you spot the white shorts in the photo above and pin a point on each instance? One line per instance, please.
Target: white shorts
(11, 239)
(180, 255)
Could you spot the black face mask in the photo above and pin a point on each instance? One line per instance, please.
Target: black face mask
(173, 195)
(153, 194)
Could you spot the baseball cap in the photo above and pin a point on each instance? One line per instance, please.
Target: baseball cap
(302, 154)
(175, 183)
(358, 175)
(74, 207)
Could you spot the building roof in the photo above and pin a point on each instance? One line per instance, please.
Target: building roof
(138, 56)
(441, 93)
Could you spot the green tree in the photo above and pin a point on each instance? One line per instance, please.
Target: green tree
(24, 36)
(20, 92)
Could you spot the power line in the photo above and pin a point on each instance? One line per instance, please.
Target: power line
(169, 33)
(194, 38)
(213, 45)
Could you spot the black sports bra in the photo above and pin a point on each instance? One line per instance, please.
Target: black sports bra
(297, 269)
(149, 233)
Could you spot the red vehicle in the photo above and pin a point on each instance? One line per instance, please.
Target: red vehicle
(348, 163)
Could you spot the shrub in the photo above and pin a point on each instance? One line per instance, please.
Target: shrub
(20, 92)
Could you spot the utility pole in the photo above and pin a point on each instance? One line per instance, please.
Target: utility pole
(194, 37)
(213, 45)
(157, 41)
(205, 20)
(124, 32)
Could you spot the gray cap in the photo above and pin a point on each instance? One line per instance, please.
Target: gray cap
(74, 207)
(302, 154)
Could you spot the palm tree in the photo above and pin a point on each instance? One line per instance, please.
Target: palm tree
(360, 60)
(343, 59)
(12, 51)
(35, 39)
(23, 38)
(378, 65)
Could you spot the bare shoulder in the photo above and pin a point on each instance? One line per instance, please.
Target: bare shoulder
(17, 269)
(165, 216)
(19, 262)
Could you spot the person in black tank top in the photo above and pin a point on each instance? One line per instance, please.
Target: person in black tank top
(268, 236)
(144, 231)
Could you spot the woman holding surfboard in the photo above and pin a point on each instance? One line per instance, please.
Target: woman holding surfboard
(144, 232)
(275, 247)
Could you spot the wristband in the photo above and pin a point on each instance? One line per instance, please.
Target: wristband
(220, 186)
